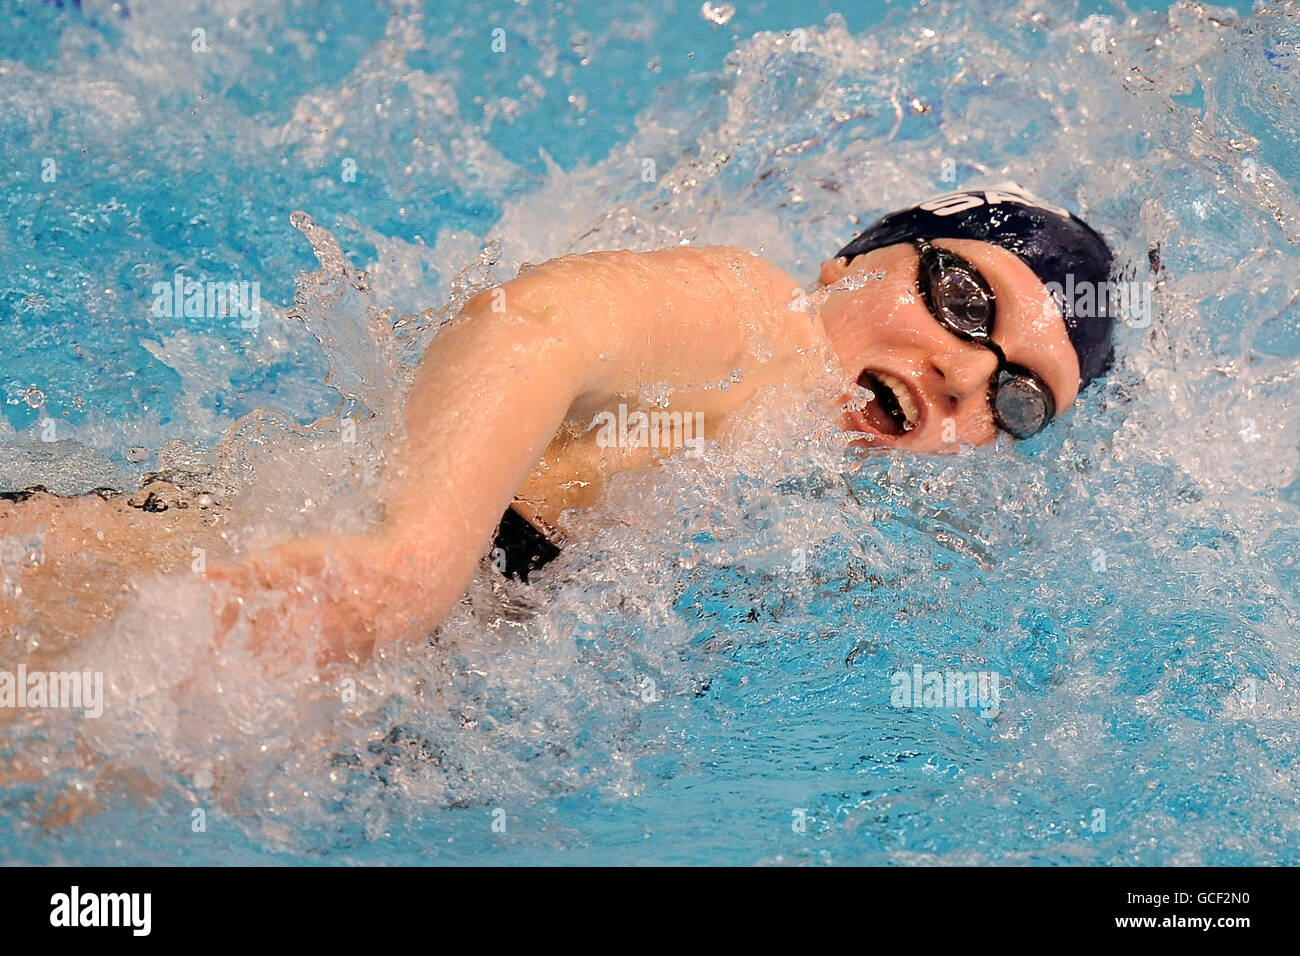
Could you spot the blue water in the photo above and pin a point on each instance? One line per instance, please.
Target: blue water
(705, 676)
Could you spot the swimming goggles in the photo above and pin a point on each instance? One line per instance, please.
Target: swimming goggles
(962, 302)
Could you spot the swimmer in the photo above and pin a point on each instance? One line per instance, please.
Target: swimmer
(940, 320)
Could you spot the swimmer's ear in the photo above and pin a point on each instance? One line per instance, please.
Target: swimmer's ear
(834, 269)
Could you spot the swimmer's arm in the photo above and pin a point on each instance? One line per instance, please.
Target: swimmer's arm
(561, 342)
(489, 395)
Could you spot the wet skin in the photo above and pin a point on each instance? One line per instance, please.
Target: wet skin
(579, 335)
(885, 327)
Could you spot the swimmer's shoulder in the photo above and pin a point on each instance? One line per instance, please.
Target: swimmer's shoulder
(740, 261)
(730, 266)
(691, 270)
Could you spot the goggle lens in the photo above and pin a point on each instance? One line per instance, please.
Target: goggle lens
(1021, 405)
(962, 302)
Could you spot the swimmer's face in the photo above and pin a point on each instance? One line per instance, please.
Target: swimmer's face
(884, 335)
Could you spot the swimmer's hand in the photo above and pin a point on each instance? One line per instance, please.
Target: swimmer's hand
(331, 598)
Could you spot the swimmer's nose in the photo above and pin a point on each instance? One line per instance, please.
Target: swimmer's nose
(965, 371)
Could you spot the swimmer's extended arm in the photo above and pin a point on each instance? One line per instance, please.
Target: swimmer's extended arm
(560, 342)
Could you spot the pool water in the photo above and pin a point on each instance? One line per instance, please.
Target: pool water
(708, 674)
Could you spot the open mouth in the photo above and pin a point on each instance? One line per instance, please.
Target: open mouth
(891, 410)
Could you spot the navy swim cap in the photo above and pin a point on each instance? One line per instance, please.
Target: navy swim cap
(1064, 252)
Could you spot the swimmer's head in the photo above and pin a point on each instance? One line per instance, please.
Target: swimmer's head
(968, 314)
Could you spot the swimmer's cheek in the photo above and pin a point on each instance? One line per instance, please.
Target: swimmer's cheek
(946, 434)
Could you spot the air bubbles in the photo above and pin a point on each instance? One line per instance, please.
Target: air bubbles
(34, 397)
(719, 13)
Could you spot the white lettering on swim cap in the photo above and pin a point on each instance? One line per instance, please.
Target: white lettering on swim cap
(951, 203)
(1011, 192)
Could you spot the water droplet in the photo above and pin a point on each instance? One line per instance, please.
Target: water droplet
(657, 393)
(718, 13)
(491, 253)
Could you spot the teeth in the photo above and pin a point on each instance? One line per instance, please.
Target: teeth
(905, 403)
